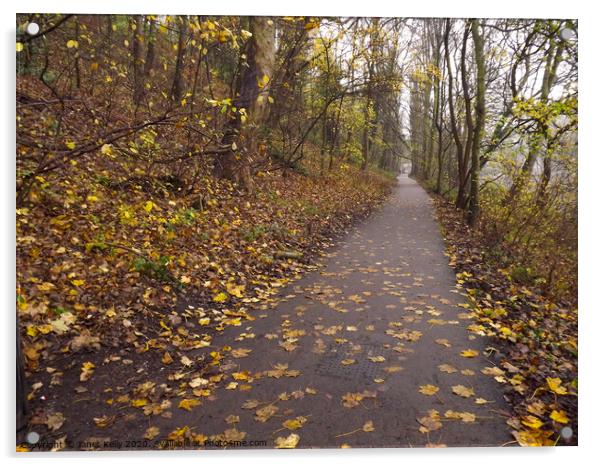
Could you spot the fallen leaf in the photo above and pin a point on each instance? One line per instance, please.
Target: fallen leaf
(463, 391)
(250, 404)
(104, 421)
(186, 361)
(429, 423)
(54, 421)
(265, 413)
(428, 389)
(220, 297)
(151, 433)
(188, 404)
(469, 353)
(377, 358)
(559, 416)
(287, 442)
(554, 384)
(532, 438)
(368, 427)
(294, 424)
(494, 371)
(532, 422)
(447, 368)
(240, 352)
(86, 371)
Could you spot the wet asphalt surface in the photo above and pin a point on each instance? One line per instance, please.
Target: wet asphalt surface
(378, 319)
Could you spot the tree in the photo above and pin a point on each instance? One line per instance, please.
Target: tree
(177, 88)
(253, 85)
(473, 209)
(137, 61)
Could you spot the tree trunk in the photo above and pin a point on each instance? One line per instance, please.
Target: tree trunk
(253, 87)
(369, 91)
(177, 88)
(473, 209)
(137, 58)
(150, 49)
(461, 194)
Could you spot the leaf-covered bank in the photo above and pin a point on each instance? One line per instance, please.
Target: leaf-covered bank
(535, 340)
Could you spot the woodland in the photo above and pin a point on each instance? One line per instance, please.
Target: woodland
(174, 174)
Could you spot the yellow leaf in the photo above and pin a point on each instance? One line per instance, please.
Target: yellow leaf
(240, 375)
(72, 44)
(430, 423)
(377, 358)
(240, 352)
(469, 353)
(19, 47)
(78, 282)
(86, 371)
(532, 422)
(287, 442)
(467, 417)
(494, 371)
(151, 433)
(532, 438)
(44, 329)
(368, 427)
(220, 297)
(265, 413)
(46, 286)
(554, 384)
(428, 389)
(106, 149)
(235, 290)
(148, 206)
(294, 424)
(559, 416)
(188, 404)
(70, 144)
(463, 391)
(139, 403)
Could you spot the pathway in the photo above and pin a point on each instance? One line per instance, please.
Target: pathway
(379, 321)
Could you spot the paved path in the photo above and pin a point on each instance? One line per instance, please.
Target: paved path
(378, 320)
